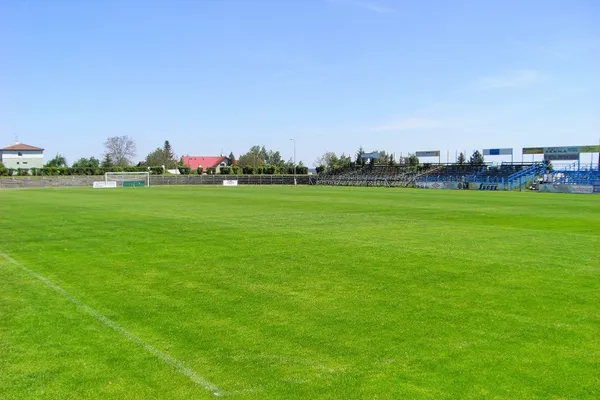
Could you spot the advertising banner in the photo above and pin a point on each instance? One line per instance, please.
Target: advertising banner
(586, 189)
(533, 150)
(589, 149)
(597, 189)
(561, 153)
(370, 155)
(562, 188)
(497, 152)
(434, 153)
(440, 185)
(550, 188)
(562, 150)
(561, 157)
(485, 186)
(104, 185)
(230, 183)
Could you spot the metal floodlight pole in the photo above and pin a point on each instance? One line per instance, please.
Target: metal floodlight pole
(294, 140)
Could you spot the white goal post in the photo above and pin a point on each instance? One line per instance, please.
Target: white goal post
(128, 179)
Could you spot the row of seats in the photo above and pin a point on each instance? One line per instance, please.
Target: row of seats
(503, 171)
(371, 175)
(430, 172)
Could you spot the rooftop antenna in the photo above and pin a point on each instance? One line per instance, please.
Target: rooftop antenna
(16, 139)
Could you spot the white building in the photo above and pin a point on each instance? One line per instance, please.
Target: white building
(22, 156)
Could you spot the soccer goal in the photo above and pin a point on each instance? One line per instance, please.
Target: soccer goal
(128, 179)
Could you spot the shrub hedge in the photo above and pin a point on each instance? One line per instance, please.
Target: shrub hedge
(234, 170)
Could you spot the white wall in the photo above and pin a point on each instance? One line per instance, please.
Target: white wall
(27, 159)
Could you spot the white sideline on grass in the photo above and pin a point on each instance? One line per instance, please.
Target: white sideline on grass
(173, 362)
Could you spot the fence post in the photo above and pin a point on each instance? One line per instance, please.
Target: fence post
(520, 183)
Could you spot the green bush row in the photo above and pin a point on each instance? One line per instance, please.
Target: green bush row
(64, 171)
(248, 170)
(234, 170)
(274, 170)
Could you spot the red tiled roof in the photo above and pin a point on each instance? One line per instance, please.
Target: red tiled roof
(22, 147)
(205, 161)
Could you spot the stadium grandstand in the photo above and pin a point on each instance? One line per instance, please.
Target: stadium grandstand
(372, 175)
(588, 174)
(536, 175)
(419, 176)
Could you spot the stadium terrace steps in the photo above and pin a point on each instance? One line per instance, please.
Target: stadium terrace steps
(525, 176)
(510, 174)
(371, 175)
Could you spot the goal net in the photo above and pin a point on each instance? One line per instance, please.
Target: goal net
(128, 179)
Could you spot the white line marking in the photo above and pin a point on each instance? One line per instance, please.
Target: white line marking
(173, 362)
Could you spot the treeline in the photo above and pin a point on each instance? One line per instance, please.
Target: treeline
(263, 170)
(331, 161)
(63, 171)
(158, 170)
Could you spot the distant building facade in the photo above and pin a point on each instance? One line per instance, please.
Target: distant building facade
(194, 162)
(20, 155)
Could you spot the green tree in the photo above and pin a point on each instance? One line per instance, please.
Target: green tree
(258, 156)
(344, 160)
(107, 161)
(231, 158)
(156, 158)
(359, 153)
(287, 167)
(255, 157)
(412, 160)
(274, 158)
(83, 162)
(329, 159)
(461, 159)
(162, 156)
(170, 160)
(57, 161)
(382, 158)
(476, 159)
(392, 160)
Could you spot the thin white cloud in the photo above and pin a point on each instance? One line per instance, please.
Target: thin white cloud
(366, 5)
(513, 79)
(444, 118)
(564, 49)
(547, 50)
(413, 124)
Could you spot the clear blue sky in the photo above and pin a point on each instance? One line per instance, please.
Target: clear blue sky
(334, 74)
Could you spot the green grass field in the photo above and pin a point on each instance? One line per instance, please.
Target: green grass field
(298, 293)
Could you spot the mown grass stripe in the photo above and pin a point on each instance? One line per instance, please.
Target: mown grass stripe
(169, 360)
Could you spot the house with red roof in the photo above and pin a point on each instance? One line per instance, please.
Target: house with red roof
(23, 156)
(195, 162)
